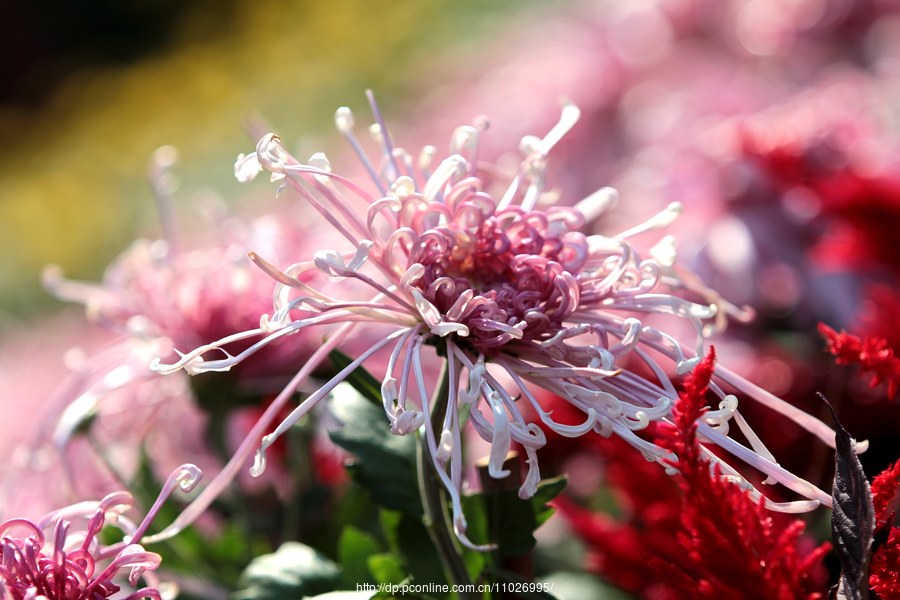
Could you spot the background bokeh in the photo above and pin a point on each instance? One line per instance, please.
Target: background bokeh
(89, 90)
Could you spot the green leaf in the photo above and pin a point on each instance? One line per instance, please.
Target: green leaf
(418, 552)
(219, 393)
(385, 464)
(361, 380)
(386, 568)
(501, 517)
(476, 530)
(547, 490)
(354, 549)
(390, 521)
(409, 541)
(293, 571)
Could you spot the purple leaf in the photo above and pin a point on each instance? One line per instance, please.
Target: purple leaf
(853, 516)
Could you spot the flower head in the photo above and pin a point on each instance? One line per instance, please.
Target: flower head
(190, 287)
(885, 569)
(72, 564)
(872, 354)
(511, 292)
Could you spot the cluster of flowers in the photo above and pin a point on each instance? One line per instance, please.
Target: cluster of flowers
(512, 296)
(554, 336)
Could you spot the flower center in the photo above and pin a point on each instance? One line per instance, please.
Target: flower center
(506, 278)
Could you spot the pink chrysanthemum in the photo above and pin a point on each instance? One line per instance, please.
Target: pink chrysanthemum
(186, 288)
(190, 287)
(72, 564)
(511, 293)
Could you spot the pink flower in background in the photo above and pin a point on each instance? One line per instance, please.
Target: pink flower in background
(71, 563)
(191, 287)
(510, 292)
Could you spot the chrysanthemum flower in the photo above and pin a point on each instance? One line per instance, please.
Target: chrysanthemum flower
(510, 292)
(190, 287)
(71, 563)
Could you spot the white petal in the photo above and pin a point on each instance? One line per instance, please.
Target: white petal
(246, 167)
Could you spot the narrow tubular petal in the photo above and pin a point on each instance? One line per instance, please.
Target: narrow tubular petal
(804, 420)
(248, 446)
(323, 391)
(501, 438)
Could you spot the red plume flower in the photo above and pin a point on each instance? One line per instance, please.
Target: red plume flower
(872, 354)
(733, 546)
(884, 575)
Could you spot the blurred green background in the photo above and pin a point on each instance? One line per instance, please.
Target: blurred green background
(91, 88)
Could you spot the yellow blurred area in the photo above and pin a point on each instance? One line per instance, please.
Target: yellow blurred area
(73, 175)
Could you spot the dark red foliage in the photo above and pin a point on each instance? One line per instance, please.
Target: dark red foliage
(884, 576)
(872, 354)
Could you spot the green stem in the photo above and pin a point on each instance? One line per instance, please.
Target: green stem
(436, 518)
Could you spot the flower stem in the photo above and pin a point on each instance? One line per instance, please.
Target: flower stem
(434, 506)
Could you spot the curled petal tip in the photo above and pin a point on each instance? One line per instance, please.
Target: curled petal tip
(189, 476)
(686, 366)
(259, 462)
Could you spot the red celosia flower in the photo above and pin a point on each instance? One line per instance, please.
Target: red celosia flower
(710, 539)
(880, 314)
(871, 353)
(618, 547)
(884, 576)
(733, 548)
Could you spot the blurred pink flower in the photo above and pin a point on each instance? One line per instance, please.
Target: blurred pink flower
(190, 288)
